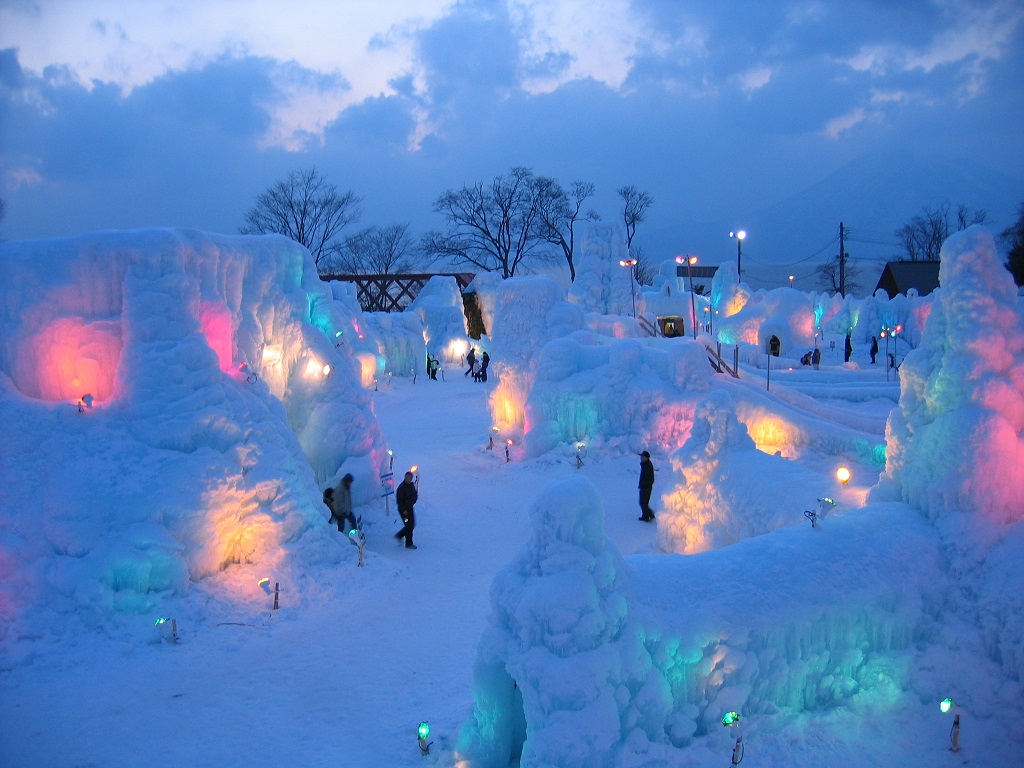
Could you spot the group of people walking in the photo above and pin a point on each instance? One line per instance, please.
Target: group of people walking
(339, 502)
(478, 368)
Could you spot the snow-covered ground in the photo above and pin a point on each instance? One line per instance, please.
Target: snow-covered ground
(538, 617)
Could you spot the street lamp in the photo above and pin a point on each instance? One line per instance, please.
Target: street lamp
(791, 281)
(632, 294)
(740, 236)
(886, 334)
(690, 261)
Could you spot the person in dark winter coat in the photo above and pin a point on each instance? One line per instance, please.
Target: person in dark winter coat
(484, 362)
(815, 357)
(646, 487)
(874, 349)
(470, 361)
(339, 501)
(432, 365)
(406, 497)
(774, 346)
(849, 349)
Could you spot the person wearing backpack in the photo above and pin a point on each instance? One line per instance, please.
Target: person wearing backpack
(339, 501)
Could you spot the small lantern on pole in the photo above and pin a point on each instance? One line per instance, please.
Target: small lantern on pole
(631, 263)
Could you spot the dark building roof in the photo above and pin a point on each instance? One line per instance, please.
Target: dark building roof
(899, 276)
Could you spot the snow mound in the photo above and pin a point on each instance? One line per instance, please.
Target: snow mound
(177, 399)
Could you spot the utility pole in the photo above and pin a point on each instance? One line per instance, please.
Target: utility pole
(842, 261)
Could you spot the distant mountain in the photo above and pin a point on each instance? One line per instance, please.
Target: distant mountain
(873, 195)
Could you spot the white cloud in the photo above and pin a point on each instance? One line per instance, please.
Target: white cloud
(21, 176)
(972, 35)
(131, 44)
(595, 40)
(889, 97)
(755, 78)
(835, 127)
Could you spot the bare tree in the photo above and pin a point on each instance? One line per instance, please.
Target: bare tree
(643, 270)
(1013, 240)
(306, 208)
(828, 275)
(558, 212)
(376, 251)
(494, 227)
(922, 237)
(634, 210)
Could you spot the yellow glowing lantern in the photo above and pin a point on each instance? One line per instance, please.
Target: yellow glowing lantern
(843, 475)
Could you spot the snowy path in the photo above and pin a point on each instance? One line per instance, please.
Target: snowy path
(344, 678)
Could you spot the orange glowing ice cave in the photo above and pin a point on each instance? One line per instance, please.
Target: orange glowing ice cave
(69, 358)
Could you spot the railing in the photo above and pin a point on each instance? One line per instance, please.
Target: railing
(648, 327)
(719, 364)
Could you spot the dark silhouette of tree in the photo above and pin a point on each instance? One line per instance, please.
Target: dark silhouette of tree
(1013, 240)
(558, 212)
(494, 227)
(376, 250)
(634, 210)
(828, 275)
(922, 237)
(306, 208)
(643, 270)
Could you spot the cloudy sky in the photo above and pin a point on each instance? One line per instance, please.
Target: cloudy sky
(780, 117)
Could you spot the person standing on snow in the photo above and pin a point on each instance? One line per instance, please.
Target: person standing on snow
(339, 501)
(815, 358)
(849, 349)
(471, 361)
(406, 497)
(874, 349)
(646, 487)
(484, 362)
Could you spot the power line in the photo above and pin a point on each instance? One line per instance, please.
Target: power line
(782, 264)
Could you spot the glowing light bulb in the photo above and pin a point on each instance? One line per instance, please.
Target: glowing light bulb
(730, 718)
(945, 705)
(843, 475)
(424, 730)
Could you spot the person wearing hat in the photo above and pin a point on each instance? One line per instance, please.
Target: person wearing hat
(406, 496)
(339, 501)
(646, 487)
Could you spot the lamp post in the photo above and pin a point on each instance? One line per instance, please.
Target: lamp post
(630, 263)
(690, 261)
(791, 281)
(740, 236)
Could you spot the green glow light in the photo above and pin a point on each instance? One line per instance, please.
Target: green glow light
(423, 730)
(730, 718)
(160, 621)
(946, 704)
